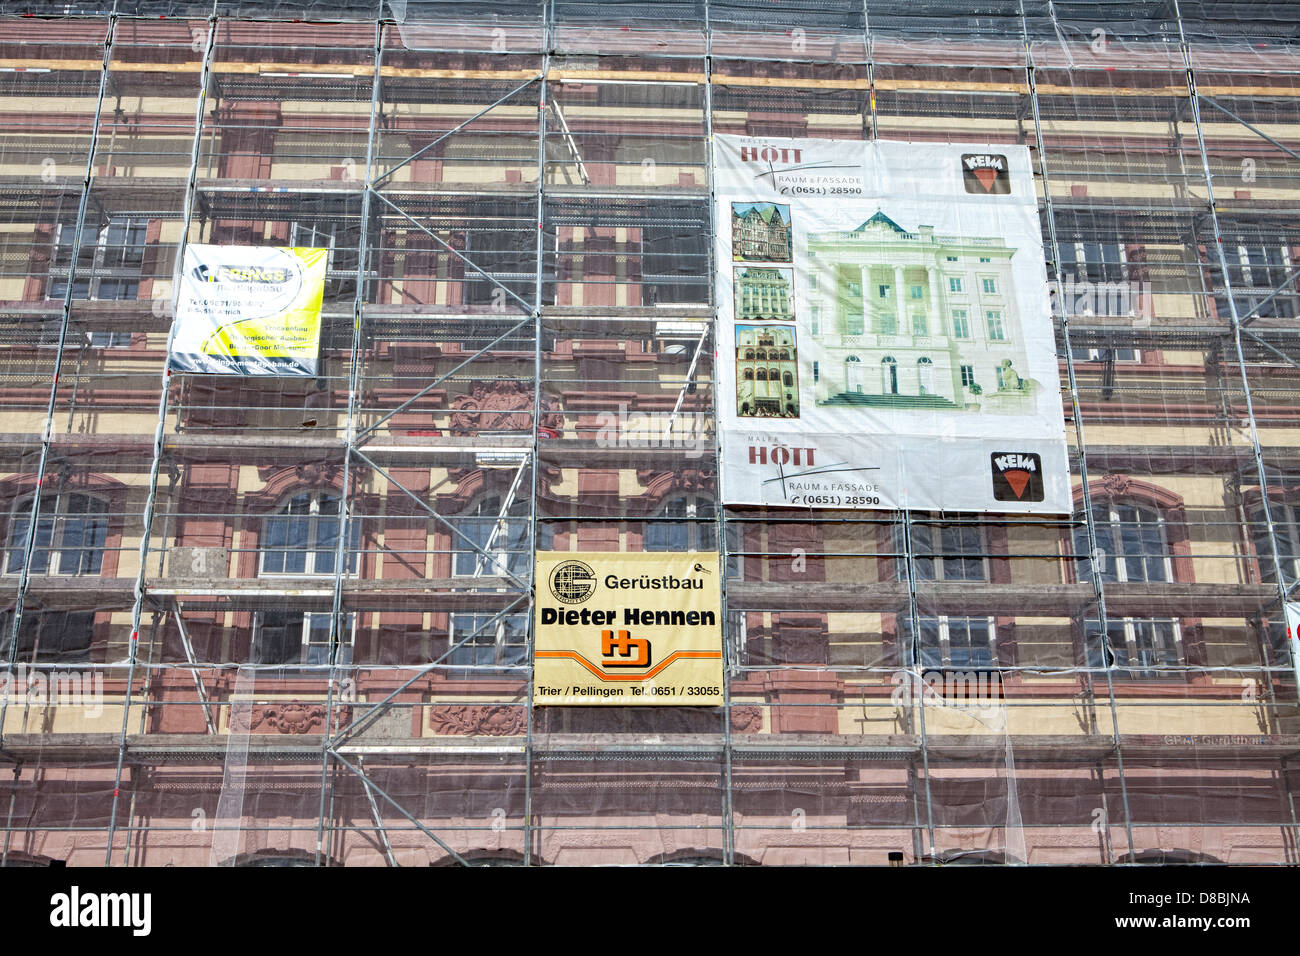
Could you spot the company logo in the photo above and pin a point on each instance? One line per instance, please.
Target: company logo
(573, 582)
(264, 275)
(781, 455)
(1017, 476)
(770, 154)
(985, 174)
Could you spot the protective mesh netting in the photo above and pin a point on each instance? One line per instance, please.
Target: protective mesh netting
(318, 649)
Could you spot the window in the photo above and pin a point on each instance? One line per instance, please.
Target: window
(996, 332)
(1131, 542)
(49, 637)
(1136, 647)
(109, 260)
(694, 531)
(918, 292)
(302, 537)
(1094, 275)
(954, 643)
(301, 638)
(488, 641)
(986, 259)
(341, 241)
(1286, 524)
(945, 552)
(853, 324)
(1258, 263)
(499, 541)
(990, 286)
(1106, 355)
(967, 376)
(950, 258)
(70, 534)
(886, 324)
(954, 284)
(920, 324)
(815, 318)
(817, 372)
(673, 262)
(960, 324)
(884, 292)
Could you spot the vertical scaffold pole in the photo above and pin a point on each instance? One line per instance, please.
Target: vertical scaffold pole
(151, 497)
(543, 91)
(1098, 584)
(47, 429)
(342, 555)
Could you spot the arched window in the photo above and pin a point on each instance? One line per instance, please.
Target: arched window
(785, 355)
(889, 375)
(925, 375)
(1130, 540)
(70, 534)
(749, 355)
(302, 536)
(1134, 547)
(749, 375)
(491, 542)
(773, 375)
(762, 375)
(788, 379)
(1286, 528)
(694, 529)
(761, 354)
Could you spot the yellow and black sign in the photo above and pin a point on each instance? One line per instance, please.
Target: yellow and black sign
(630, 629)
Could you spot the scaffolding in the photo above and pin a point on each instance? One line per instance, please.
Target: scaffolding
(254, 621)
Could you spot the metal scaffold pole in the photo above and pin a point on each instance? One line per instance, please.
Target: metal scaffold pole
(137, 607)
(1098, 584)
(343, 555)
(47, 431)
(539, 267)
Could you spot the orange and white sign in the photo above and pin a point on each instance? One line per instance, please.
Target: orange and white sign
(629, 629)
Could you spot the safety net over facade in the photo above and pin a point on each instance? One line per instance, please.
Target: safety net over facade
(290, 619)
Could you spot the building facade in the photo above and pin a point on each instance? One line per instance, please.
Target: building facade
(269, 620)
(935, 315)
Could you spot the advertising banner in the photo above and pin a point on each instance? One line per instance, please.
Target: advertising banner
(885, 337)
(629, 629)
(249, 310)
(1293, 637)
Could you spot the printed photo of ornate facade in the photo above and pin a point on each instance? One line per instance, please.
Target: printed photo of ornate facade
(764, 293)
(903, 319)
(761, 232)
(767, 372)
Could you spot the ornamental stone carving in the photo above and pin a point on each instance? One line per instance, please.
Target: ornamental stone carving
(746, 719)
(1116, 485)
(285, 717)
(486, 720)
(501, 406)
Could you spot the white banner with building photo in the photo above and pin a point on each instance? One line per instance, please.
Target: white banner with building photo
(885, 335)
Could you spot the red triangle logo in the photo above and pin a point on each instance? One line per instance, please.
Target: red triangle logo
(987, 177)
(1017, 479)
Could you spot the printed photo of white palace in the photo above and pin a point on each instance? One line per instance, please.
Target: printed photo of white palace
(901, 319)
